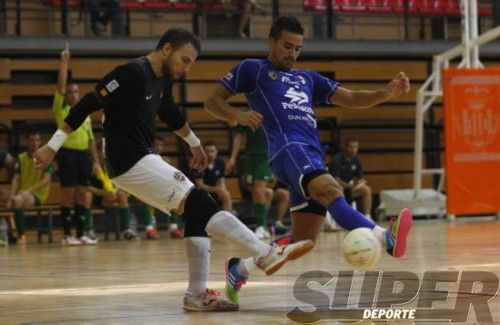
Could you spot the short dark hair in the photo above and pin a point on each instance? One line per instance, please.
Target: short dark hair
(32, 133)
(177, 37)
(350, 140)
(288, 23)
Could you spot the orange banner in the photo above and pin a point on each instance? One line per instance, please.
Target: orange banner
(472, 140)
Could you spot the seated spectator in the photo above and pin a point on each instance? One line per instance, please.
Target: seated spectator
(112, 8)
(30, 187)
(212, 179)
(246, 8)
(347, 170)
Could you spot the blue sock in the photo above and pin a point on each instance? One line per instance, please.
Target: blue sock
(347, 217)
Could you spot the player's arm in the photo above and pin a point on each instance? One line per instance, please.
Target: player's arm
(217, 105)
(116, 89)
(200, 184)
(235, 150)
(62, 77)
(14, 186)
(369, 98)
(221, 183)
(171, 114)
(77, 115)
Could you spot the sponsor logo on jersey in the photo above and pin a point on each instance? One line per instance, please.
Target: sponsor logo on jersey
(288, 80)
(229, 76)
(103, 92)
(308, 119)
(273, 75)
(178, 176)
(112, 85)
(296, 96)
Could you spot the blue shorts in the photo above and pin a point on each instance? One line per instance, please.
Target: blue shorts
(290, 166)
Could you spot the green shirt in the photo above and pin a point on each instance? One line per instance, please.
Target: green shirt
(79, 139)
(29, 176)
(255, 145)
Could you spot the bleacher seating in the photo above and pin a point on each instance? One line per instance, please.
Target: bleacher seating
(415, 7)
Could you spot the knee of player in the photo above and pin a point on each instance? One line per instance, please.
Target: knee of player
(17, 202)
(122, 197)
(199, 207)
(282, 195)
(328, 192)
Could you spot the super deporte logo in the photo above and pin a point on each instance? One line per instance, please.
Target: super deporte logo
(349, 296)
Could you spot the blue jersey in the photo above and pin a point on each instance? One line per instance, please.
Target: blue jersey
(284, 98)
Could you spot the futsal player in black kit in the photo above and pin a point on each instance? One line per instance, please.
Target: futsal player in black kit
(132, 96)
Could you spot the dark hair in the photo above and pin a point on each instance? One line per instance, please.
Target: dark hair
(288, 23)
(350, 140)
(177, 37)
(209, 143)
(32, 133)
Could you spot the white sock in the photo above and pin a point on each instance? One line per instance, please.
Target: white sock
(246, 266)
(379, 232)
(198, 255)
(225, 226)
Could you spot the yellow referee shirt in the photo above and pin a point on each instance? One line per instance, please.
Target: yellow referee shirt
(79, 139)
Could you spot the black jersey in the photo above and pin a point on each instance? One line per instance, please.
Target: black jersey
(346, 169)
(132, 96)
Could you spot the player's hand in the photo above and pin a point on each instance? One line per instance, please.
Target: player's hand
(230, 163)
(43, 157)
(250, 118)
(65, 54)
(199, 160)
(111, 197)
(397, 86)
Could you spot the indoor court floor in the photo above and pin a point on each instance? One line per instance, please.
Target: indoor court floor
(143, 282)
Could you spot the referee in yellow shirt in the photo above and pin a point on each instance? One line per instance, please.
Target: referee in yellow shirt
(74, 161)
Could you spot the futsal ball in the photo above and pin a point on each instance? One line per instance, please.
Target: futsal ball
(361, 248)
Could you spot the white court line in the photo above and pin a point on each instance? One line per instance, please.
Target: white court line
(470, 266)
(127, 289)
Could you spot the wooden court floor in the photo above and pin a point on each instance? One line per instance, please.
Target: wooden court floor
(144, 282)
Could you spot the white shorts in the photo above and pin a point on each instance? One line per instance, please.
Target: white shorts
(156, 183)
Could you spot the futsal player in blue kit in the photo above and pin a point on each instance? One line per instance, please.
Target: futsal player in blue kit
(281, 99)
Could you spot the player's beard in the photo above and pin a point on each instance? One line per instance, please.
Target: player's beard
(167, 71)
